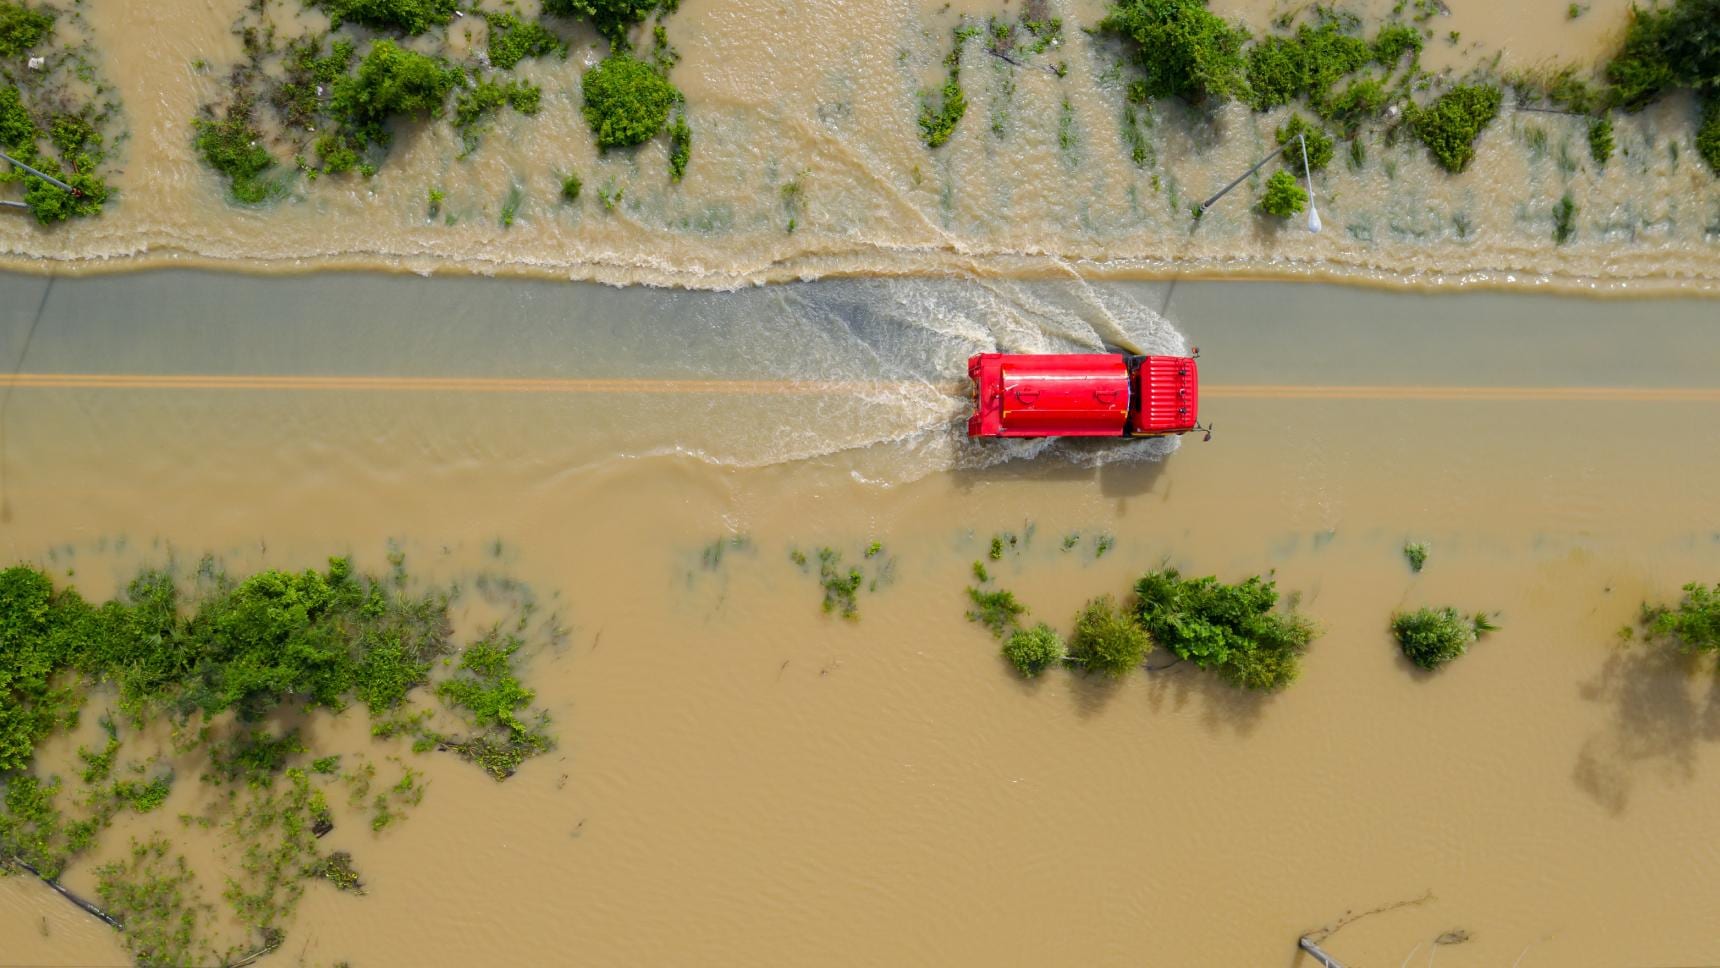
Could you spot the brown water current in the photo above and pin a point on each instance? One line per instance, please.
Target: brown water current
(807, 162)
(744, 780)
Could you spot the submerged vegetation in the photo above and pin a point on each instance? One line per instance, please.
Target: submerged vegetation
(224, 663)
(1237, 631)
(55, 114)
(1431, 637)
(842, 583)
(339, 98)
(1693, 625)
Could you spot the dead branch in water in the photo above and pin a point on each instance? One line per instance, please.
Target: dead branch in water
(1321, 934)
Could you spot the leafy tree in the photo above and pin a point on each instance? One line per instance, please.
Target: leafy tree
(1693, 625)
(22, 28)
(1677, 45)
(1182, 48)
(627, 101)
(1231, 629)
(1107, 640)
(391, 81)
(1032, 651)
(1432, 637)
(1451, 124)
(1283, 197)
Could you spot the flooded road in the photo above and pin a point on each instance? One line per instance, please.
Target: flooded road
(742, 779)
(808, 163)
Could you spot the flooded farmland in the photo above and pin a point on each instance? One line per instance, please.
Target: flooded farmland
(742, 778)
(808, 162)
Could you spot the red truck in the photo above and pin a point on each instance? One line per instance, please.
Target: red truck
(1083, 395)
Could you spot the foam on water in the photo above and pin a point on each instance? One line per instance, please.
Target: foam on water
(897, 351)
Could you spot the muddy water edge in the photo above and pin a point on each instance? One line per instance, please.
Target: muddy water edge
(741, 778)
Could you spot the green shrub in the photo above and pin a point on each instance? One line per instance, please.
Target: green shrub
(1231, 629)
(1395, 40)
(411, 16)
(1181, 48)
(491, 698)
(1033, 650)
(1451, 124)
(1360, 101)
(1432, 637)
(233, 146)
(18, 130)
(940, 114)
(1564, 219)
(1306, 64)
(612, 18)
(309, 74)
(1416, 554)
(513, 40)
(627, 101)
(1693, 625)
(1708, 134)
(1601, 140)
(1283, 196)
(1319, 145)
(1648, 60)
(570, 186)
(996, 610)
(390, 82)
(680, 152)
(1107, 640)
(22, 28)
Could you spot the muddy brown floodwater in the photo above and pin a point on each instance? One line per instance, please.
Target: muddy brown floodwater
(808, 162)
(743, 780)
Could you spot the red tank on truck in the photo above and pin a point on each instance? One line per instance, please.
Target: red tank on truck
(1083, 395)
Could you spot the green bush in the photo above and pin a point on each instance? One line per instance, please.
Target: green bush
(18, 131)
(996, 610)
(233, 146)
(1319, 145)
(1432, 637)
(1181, 48)
(411, 16)
(1601, 141)
(1416, 554)
(1395, 40)
(1451, 124)
(680, 152)
(627, 101)
(1360, 101)
(22, 28)
(1032, 651)
(1107, 640)
(570, 188)
(1283, 196)
(513, 40)
(1708, 134)
(1306, 64)
(390, 82)
(1693, 625)
(1670, 46)
(1564, 219)
(1231, 629)
(612, 18)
